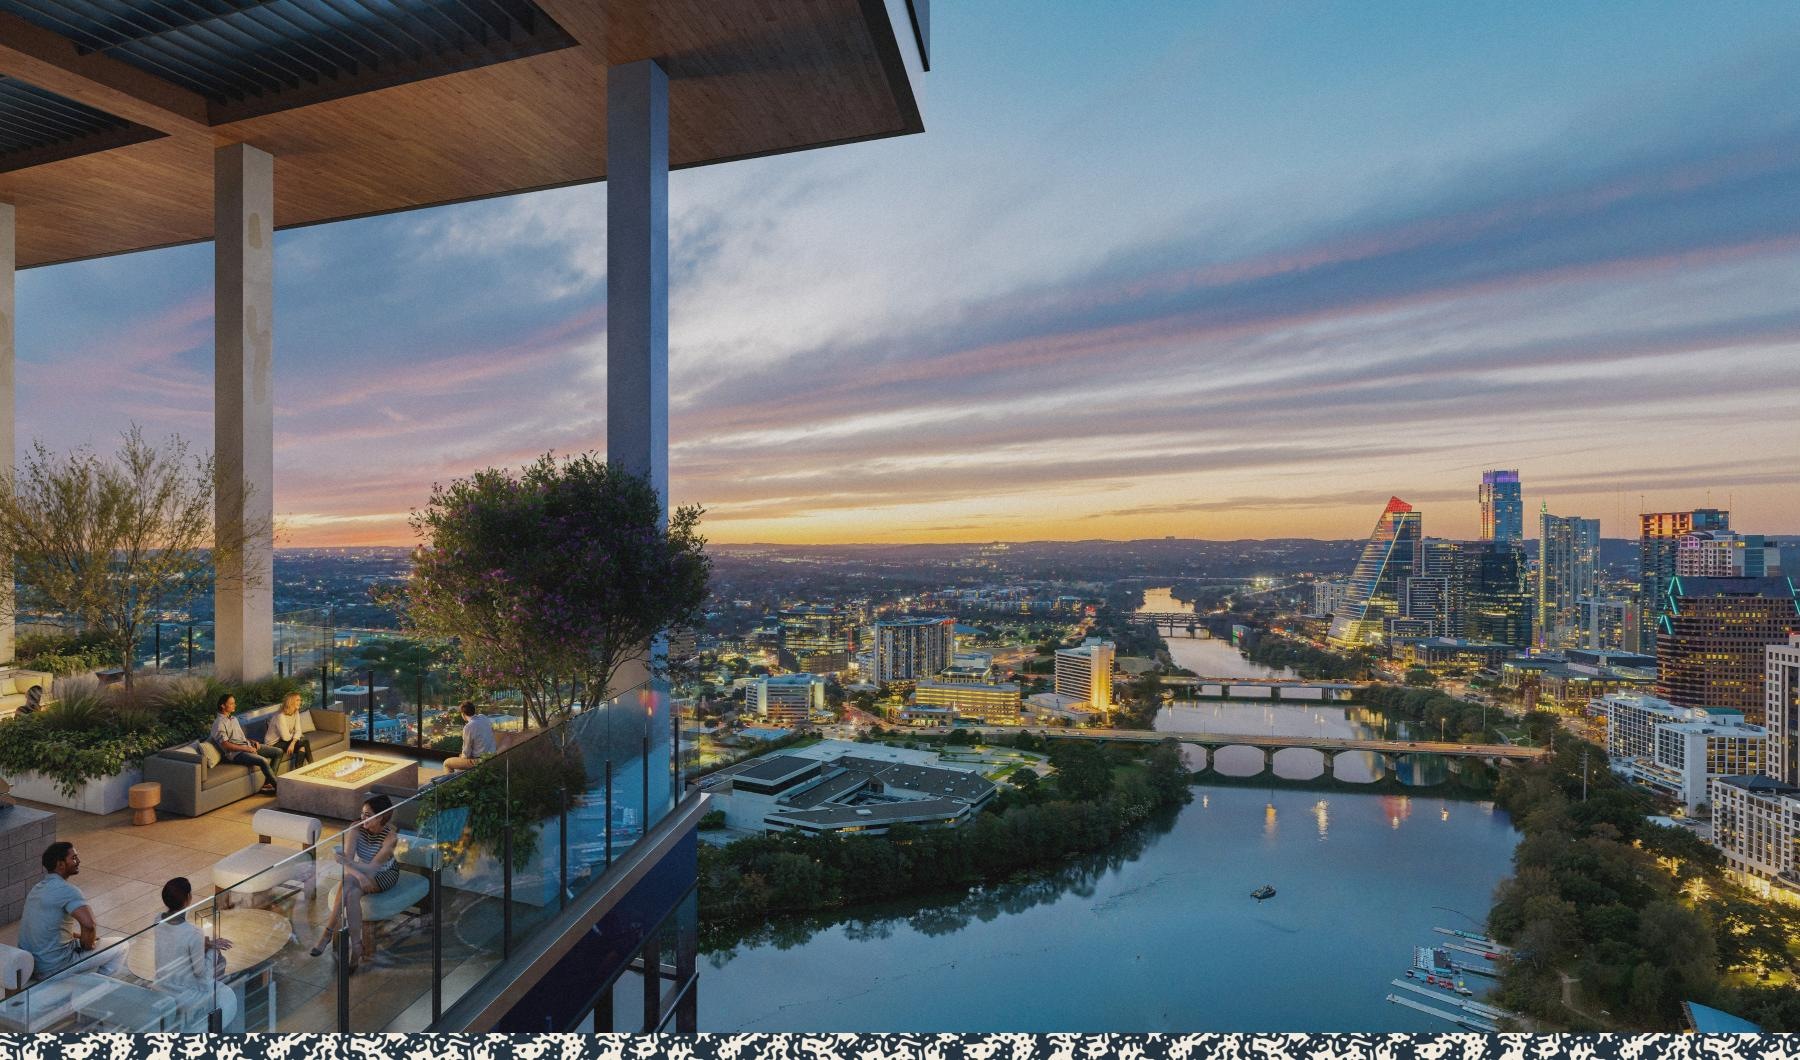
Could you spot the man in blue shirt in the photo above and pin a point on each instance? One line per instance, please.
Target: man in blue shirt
(47, 905)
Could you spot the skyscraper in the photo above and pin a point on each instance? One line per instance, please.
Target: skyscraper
(1713, 640)
(1502, 506)
(817, 638)
(1568, 566)
(1659, 542)
(1496, 594)
(1377, 583)
(913, 649)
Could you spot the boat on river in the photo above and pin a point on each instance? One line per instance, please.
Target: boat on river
(1442, 982)
(1265, 891)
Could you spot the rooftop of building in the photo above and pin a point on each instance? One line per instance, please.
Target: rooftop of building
(1760, 785)
(1685, 587)
(873, 815)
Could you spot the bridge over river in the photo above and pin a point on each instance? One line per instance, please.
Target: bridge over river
(1272, 688)
(1391, 751)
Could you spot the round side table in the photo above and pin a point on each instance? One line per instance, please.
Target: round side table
(144, 799)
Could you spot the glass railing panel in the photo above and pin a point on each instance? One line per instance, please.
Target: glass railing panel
(538, 774)
(589, 805)
(464, 817)
(275, 918)
(657, 707)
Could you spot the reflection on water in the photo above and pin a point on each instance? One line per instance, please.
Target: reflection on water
(1159, 934)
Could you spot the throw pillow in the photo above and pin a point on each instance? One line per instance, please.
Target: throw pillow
(306, 722)
(209, 753)
(8, 687)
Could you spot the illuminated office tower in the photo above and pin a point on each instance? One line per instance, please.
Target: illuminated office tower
(1085, 673)
(787, 699)
(912, 649)
(1659, 543)
(1713, 640)
(1726, 554)
(1568, 567)
(817, 638)
(1502, 506)
(1376, 585)
(1496, 594)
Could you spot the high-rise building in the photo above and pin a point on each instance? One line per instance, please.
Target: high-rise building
(1496, 594)
(1608, 624)
(1328, 596)
(817, 638)
(1659, 542)
(1502, 506)
(1726, 554)
(1085, 672)
(1376, 585)
(787, 699)
(1713, 639)
(1781, 706)
(912, 649)
(1568, 569)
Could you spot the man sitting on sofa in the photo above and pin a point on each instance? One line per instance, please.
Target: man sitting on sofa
(234, 746)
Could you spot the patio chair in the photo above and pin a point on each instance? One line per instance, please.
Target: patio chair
(247, 869)
(15, 969)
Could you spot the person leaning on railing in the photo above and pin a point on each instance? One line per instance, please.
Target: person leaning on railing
(477, 739)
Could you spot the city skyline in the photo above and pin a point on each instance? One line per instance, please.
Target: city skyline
(1288, 274)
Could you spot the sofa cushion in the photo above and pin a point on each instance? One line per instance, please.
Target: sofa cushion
(187, 752)
(9, 687)
(210, 754)
(306, 722)
(224, 773)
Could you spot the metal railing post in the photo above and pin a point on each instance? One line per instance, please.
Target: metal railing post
(190, 646)
(419, 709)
(343, 968)
(437, 936)
(609, 807)
(506, 869)
(158, 638)
(369, 676)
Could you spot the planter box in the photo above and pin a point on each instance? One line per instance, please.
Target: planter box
(101, 795)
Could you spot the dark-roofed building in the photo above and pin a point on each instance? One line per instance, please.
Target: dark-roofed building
(848, 793)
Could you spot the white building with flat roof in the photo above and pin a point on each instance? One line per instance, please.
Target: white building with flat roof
(1679, 751)
(1085, 672)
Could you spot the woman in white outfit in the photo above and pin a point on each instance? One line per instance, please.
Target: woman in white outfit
(188, 964)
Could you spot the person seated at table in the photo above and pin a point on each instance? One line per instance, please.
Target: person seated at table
(50, 902)
(228, 736)
(477, 739)
(370, 870)
(288, 739)
(188, 964)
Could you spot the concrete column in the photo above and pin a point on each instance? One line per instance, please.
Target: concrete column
(8, 406)
(637, 287)
(244, 408)
(1330, 771)
(637, 270)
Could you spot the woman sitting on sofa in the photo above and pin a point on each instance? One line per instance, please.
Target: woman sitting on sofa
(285, 735)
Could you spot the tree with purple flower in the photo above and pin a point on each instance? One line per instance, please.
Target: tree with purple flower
(553, 578)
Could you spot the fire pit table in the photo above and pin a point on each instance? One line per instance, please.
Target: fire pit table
(337, 786)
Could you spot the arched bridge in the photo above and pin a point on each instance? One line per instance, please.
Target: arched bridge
(1391, 751)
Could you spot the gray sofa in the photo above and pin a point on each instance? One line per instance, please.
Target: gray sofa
(190, 787)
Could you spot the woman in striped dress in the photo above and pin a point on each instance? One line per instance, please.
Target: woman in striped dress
(371, 870)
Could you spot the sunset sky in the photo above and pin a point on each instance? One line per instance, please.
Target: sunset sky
(1188, 269)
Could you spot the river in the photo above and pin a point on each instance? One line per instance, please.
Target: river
(1161, 934)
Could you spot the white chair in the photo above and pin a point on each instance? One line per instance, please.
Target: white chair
(15, 969)
(248, 869)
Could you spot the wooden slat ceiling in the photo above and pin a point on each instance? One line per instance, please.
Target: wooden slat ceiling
(747, 78)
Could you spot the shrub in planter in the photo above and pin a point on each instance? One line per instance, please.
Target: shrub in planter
(93, 731)
(540, 770)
